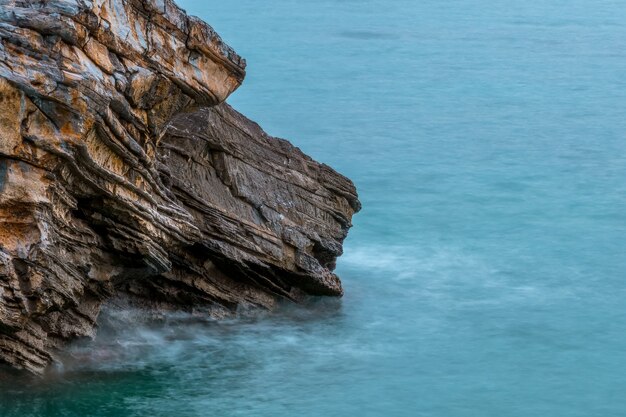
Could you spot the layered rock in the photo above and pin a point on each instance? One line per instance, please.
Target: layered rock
(123, 172)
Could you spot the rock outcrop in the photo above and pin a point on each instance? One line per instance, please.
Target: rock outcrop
(124, 172)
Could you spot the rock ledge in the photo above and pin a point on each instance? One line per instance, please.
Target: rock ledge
(124, 173)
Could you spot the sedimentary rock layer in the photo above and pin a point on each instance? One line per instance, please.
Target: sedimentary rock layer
(124, 172)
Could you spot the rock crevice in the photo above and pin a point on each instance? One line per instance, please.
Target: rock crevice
(124, 172)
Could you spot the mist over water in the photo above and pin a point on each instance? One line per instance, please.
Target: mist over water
(485, 274)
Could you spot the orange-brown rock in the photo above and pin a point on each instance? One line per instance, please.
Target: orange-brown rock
(124, 173)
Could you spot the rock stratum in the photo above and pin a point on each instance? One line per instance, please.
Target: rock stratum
(123, 172)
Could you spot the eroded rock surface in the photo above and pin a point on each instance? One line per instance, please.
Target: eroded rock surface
(122, 171)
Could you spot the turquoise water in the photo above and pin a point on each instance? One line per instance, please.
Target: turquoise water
(485, 275)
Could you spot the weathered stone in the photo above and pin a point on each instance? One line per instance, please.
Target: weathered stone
(124, 173)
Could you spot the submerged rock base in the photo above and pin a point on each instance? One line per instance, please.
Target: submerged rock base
(123, 172)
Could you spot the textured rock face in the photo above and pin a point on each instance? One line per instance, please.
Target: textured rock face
(123, 172)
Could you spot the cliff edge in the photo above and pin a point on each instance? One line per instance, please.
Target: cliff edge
(124, 173)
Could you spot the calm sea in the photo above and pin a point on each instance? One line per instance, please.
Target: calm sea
(486, 274)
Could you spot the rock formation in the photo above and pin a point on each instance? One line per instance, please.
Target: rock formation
(124, 173)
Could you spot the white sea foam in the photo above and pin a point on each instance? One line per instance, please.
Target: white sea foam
(446, 272)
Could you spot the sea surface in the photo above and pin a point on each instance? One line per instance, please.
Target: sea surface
(486, 274)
